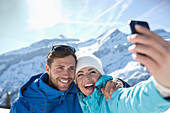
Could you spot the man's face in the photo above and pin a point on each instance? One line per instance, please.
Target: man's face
(62, 73)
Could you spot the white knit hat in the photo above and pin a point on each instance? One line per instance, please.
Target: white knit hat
(89, 60)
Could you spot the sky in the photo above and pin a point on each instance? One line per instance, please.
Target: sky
(23, 22)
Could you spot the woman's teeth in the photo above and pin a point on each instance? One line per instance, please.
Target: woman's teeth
(88, 85)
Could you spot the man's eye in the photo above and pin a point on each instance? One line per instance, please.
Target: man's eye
(79, 75)
(59, 68)
(72, 68)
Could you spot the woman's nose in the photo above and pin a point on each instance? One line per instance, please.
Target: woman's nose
(87, 76)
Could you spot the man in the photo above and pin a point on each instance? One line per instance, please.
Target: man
(54, 91)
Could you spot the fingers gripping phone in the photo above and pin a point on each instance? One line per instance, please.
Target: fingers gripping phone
(132, 24)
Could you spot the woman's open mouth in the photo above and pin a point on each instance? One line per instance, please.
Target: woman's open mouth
(89, 86)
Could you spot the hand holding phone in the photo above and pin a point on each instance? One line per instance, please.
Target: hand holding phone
(132, 24)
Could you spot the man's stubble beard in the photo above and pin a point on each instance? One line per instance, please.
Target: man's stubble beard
(55, 83)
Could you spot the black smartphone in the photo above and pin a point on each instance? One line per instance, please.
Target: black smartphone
(132, 24)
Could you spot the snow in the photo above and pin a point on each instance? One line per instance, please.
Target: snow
(2, 110)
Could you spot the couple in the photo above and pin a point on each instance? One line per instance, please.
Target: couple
(55, 91)
(40, 94)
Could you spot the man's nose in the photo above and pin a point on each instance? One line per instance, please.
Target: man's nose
(66, 72)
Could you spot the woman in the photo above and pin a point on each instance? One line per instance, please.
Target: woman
(90, 78)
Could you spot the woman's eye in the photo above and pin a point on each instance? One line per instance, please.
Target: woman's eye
(93, 72)
(80, 75)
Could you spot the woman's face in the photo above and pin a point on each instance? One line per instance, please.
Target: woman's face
(86, 79)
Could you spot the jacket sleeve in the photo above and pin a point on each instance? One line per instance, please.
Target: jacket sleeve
(141, 98)
(20, 106)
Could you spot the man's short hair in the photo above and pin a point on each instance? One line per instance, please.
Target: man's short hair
(60, 51)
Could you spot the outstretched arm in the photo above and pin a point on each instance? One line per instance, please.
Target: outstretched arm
(157, 54)
(141, 98)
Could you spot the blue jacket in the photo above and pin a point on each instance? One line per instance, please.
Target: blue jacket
(142, 98)
(37, 97)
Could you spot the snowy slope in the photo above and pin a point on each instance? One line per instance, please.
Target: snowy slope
(18, 66)
(4, 110)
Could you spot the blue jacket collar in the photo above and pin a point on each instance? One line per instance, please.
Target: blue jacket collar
(31, 80)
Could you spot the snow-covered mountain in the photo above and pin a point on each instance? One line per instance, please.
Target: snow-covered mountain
(17, 66)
